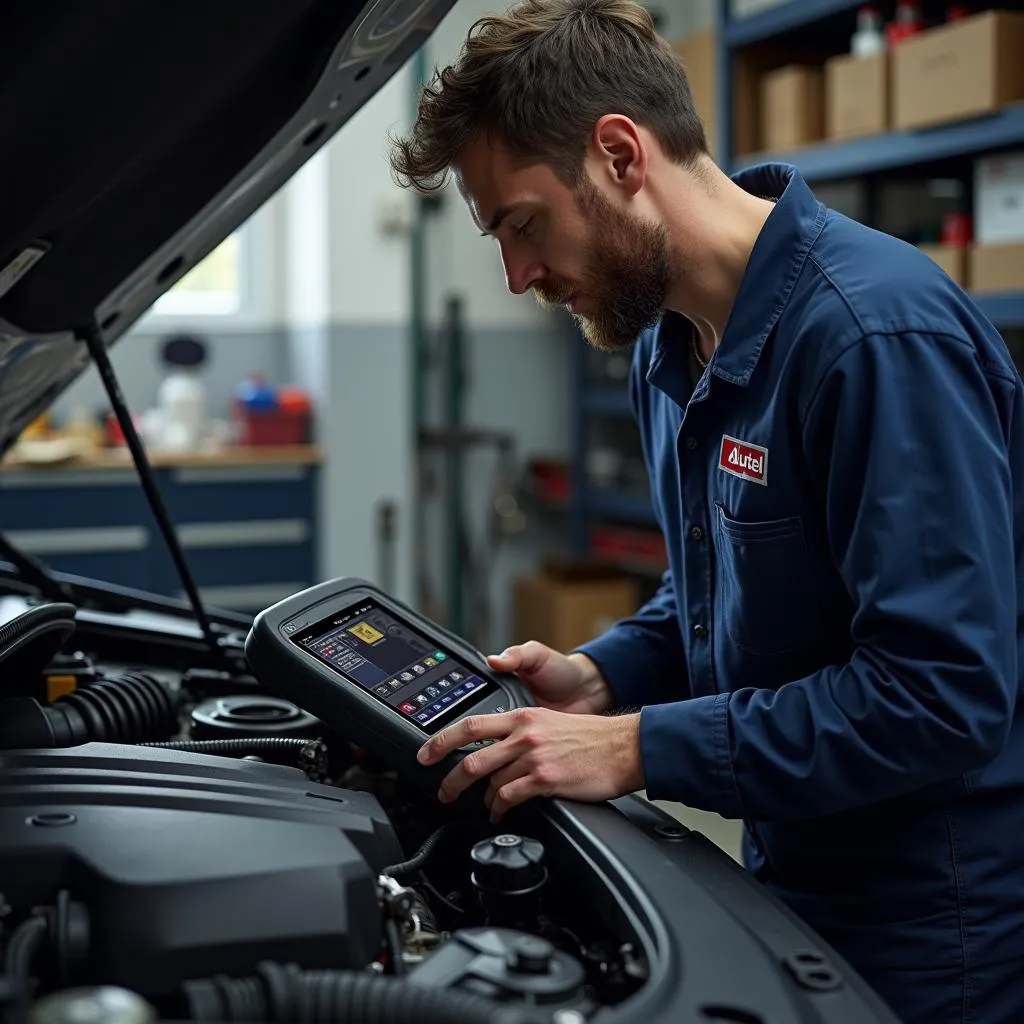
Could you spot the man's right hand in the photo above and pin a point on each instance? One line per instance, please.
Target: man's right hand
(570, 683)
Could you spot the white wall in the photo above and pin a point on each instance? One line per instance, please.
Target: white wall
(369, 269)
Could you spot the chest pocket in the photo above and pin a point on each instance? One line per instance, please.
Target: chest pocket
(765, 583)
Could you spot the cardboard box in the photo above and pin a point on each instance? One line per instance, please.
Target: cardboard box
(856, 96)
(792, 107)
(999, 199)
(960, 70)
(699, 52)
(568, 605)
(952, 259)
(997, 268)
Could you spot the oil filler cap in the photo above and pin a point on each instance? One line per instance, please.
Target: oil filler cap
(509, 864)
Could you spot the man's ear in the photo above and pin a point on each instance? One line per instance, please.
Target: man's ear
(619, 152)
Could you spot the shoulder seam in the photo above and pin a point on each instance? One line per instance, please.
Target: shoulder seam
(984, 365)
(813, 257)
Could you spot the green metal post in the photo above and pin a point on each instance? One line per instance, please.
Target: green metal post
(418, 342)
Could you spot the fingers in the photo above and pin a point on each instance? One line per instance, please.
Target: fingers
(497, 783)
(501, 800)
(469, 730)
(476, 765)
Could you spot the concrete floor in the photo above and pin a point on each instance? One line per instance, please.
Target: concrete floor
(719, 830)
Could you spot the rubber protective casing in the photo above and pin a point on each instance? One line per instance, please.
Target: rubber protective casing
(295, 674)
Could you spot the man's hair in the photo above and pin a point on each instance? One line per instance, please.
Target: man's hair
(538, 78)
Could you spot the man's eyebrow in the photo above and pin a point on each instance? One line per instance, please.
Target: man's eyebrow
(499, 216)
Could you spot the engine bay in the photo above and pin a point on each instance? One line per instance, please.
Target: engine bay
(219, 853)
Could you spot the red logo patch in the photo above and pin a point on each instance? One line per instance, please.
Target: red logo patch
(747, 461)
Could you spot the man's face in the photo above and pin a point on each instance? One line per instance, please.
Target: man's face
(573, 247)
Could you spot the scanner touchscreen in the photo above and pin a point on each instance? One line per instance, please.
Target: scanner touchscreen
(371, 647)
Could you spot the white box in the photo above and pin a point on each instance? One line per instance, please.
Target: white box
(999, 198)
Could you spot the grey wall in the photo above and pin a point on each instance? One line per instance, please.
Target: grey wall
(359, 375)
(681, 17)
(233, 355)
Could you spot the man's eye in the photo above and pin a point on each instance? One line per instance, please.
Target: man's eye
(525, 228)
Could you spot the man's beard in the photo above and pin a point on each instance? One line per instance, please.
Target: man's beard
(627, 274)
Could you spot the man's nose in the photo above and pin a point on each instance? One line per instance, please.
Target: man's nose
(520, 274)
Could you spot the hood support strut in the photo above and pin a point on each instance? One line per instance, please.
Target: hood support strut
(93, 339)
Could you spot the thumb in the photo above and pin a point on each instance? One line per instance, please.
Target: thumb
(525, 658)
(508, 661)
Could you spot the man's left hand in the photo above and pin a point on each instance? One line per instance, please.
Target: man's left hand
(540, 752)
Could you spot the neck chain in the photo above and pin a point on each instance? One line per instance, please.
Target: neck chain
(696, 350)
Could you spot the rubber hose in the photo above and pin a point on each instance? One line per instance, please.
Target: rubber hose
(288, 995)
(25, 942)
(422, 855)
(131, 708)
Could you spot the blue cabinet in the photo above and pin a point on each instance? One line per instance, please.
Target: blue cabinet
(247, 522)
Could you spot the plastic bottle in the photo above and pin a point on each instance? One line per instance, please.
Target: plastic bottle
(181, 398)
(256, 395)
(869, 38)
(908, 22)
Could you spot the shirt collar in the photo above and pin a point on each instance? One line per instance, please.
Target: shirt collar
(775, 263)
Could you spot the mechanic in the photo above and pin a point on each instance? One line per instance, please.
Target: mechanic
(833, 434)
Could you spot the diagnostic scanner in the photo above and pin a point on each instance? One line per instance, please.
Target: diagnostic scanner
(376, 672)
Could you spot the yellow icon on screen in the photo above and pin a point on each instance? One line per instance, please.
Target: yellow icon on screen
(365, 632)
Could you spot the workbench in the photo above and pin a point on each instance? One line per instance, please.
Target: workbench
(245, 516)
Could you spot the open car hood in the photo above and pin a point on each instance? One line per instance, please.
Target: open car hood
(137, 136)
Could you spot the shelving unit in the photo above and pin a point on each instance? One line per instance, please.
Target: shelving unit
(591, 505)
(899, 150)
(776, 21)
(801, 22)
(865, 158)
(1004, 309)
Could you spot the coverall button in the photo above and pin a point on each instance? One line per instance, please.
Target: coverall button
(700, 631)
(691, 443)
(696, 532)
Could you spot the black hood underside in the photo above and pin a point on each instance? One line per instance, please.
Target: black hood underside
(135, 136)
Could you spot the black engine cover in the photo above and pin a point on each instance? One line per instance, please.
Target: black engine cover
(190, 864)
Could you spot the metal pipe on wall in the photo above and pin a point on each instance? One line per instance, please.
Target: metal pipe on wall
(455, 526)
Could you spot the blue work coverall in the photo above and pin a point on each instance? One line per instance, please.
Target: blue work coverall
(833, 655)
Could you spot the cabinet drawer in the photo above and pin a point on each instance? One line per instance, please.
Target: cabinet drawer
(206, 494)
(61, 498)
(243, 569)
